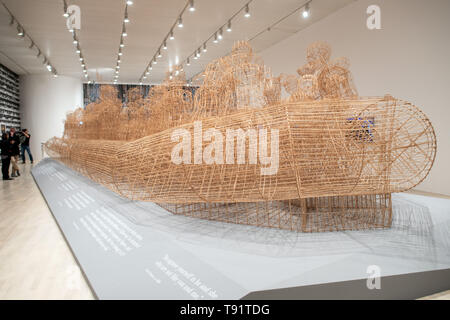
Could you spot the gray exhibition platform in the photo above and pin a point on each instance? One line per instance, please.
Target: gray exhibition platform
(137, 250)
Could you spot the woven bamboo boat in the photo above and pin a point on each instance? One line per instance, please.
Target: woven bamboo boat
(335, 152)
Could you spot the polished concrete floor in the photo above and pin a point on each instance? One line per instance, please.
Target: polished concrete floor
(35, 261)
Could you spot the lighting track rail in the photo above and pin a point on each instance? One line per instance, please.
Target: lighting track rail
(21, 32)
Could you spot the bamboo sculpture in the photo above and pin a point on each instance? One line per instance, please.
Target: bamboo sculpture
(339, 156)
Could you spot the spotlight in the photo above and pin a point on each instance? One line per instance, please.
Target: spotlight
(159, 54)
(75, 41)
(126, 19)
(122, 45)
(81, 58)
(147, 73)
(65, 14)
(204, 47)
(164, 45)
(85, 75)
(171, 37)
(129, 2)
(55, 75)
(247, 11)
(215, 38)
(191, 6)
(154, 61)
(140, 83)
(198, 52)
(219, 36)
(83, 65)
(229, 26)
(78, 50)
(49, 67)
(120, 53)
(150, 68)
(180, 23)
(145, 77)
(20, 31)
(306, 11)
(187, 62)
(124, 31)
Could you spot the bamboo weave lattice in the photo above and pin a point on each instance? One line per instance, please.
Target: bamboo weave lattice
(340, 156)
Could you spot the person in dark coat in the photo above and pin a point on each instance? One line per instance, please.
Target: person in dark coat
(15, 152)
(6, 151)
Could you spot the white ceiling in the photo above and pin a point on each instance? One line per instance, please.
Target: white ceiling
(151, 20)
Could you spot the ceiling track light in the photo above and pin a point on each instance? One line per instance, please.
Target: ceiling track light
(219, 35)
(129, 2)
(65, 13)
(187, 62)
(229, 26)
(305, 12)
(171, 37)
(180, 23)
(215, 38)
(164, 45)
(126, 19)
(247, 11)
(204, 47)
(124, 31)
(191, 6)
(159, 54)
(20, 31)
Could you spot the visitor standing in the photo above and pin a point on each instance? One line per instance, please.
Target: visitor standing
(15, 152)
(5, 146)
(25, 144)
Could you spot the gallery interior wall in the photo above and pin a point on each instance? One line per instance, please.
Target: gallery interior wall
(44, 103)
(408, 58)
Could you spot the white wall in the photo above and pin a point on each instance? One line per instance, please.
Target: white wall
(44, 102)
(408, 58)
